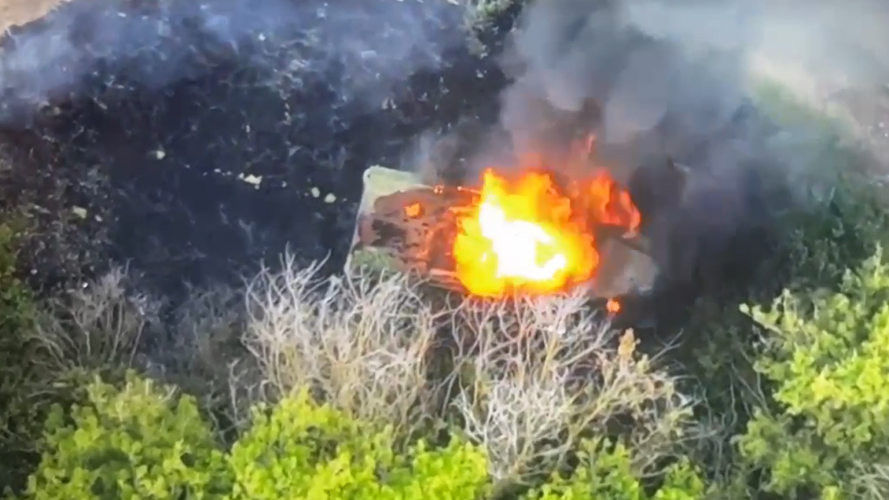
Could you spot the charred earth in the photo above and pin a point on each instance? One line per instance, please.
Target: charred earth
(193, 143)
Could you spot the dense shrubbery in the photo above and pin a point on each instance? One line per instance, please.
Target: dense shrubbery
(826, 354)
(137, 442)
(143, 440)
(302, 450)
(19, 416)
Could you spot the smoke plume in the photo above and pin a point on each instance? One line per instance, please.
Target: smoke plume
(691, 63)
(674, 80)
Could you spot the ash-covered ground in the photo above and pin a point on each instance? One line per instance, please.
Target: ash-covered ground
(192, 142)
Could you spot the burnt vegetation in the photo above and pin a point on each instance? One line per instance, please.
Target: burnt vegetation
(179, 185)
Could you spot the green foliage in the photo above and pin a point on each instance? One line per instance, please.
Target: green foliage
(303, 450)
(141, 442)
(15, 299)
(20, 412)
(605, 473)
(767, 433)
(836, 233)
(145, 442)
(827, 355)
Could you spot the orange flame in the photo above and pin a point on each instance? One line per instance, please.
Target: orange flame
(526, 234)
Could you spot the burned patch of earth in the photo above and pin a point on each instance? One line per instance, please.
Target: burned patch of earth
(200, 179)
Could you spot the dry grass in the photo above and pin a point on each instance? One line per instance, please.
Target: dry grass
(548, 372)
(360, 344)
(98, 326)
(533, 377)
(106, 327)
(207, 357)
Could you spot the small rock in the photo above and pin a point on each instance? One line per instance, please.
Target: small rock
(256, 180)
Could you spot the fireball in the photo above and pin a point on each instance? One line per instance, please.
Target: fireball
(526, 234)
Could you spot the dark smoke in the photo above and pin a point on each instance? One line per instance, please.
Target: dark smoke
(676, 81)
(654, 96)
(691, 62)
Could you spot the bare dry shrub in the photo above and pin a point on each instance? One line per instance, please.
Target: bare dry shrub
(532, 377)
(106, 325)
(99, 326)
(870, 480)
(207, 358)
(541, 374)
(359, 342)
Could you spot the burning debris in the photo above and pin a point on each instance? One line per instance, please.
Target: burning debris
(523, 230)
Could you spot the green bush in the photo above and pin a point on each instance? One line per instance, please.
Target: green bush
(606, 473)
(303, 450)
(834, 234)
(144, 441)
(140, 442)
(827, 355)
(21, 410)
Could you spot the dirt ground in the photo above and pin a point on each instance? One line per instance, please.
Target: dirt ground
(18, 12)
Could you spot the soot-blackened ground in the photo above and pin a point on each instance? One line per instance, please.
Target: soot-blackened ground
(201, 179)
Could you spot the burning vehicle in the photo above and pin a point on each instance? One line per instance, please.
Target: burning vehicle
(527, 230)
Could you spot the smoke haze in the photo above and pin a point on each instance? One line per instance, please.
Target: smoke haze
(674, 79)
(371, 45)
(692, 63)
